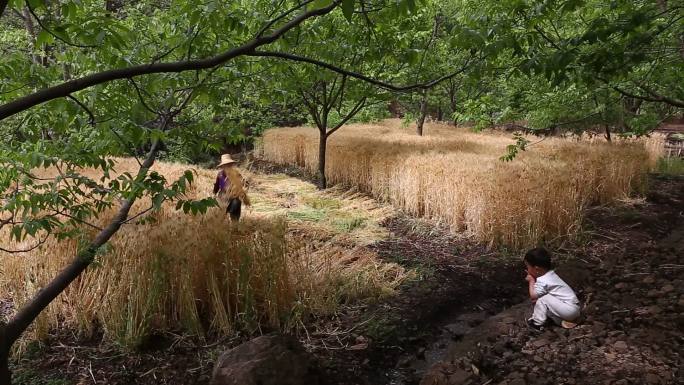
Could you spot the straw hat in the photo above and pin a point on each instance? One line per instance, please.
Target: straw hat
(226, 159)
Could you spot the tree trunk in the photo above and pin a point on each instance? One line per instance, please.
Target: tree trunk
(323, 140)
(423, 112)
(5, 374)
(608, 138)
(31, 29)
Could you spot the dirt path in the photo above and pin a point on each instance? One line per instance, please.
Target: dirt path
(400, 338)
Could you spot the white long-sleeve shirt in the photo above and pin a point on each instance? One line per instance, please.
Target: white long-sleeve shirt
(551, 284)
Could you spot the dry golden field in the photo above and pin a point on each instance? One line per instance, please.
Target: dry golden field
(298, 252)
(454, 176)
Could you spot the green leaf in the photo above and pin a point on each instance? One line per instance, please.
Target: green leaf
(60, 31)
(189, 176)
(44, 38)
(318, 4)
(348, 8)
(36, 4)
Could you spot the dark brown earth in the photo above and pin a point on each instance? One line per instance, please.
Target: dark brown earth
(627, 271)
(629, 278)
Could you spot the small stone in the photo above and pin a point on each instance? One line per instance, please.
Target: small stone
(653, 293)
(654, 309)
(667, 288)
(518, 381)
(621, 346)
(459, 377)
(652, 379)
(598, 326)
(540, 342)
(472, 319)
(649, 279)
(458, 329)
(404, 361)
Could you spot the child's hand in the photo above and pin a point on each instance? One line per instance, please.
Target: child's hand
(529, 278)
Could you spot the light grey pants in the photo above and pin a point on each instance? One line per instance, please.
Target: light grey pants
(549, 306)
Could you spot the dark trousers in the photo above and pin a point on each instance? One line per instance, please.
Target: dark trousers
(234, 209)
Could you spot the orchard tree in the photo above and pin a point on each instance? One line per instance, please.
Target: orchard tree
(368, 44)
(439, 42)
(91, 82)
(332, 99)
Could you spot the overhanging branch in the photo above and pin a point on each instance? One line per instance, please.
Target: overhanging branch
(359, 105)
(356, 75)
(64, 89)
(654, 97)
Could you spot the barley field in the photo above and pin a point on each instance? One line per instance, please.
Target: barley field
(298, 252)
(454, 176)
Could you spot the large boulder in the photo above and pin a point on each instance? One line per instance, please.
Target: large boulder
(266, 360)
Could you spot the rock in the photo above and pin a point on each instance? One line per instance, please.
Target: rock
(421, 352)
(265, 360)
(654, 309)
(540, 342)
(404, 361)
(621, 346)
(458, 329)
(649, 280)
(620, 286)
(652, 379)
(653, 293)
(441, 374)
(517, 381)
(667, 289)
(499, 348)
(472, 319)
(598, 326)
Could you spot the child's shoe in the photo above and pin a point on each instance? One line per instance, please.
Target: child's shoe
(568, 325)
(533, 326)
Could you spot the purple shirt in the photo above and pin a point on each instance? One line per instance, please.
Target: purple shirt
(222, 183)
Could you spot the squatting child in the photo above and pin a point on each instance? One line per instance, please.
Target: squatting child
(553, 298)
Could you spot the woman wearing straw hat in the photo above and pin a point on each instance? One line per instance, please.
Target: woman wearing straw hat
(229, 187)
